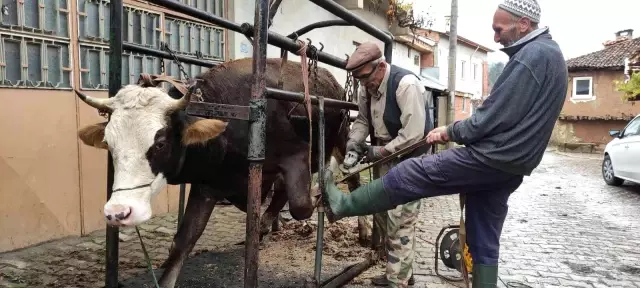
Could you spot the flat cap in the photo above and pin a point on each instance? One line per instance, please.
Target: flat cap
(365, 53)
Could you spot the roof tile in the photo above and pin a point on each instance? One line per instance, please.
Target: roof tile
(609, 57)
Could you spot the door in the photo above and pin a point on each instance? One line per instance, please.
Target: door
(632, 151)
(627, 150)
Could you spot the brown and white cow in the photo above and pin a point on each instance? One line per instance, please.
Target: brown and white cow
(155, 143)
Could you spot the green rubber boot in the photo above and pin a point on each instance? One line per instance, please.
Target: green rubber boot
(485, 276)
(366, 200)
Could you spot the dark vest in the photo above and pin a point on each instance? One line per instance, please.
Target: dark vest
(392, 113)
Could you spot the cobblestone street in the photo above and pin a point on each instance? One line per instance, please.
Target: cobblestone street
(565, 228)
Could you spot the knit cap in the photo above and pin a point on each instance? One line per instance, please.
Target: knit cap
(525, 8)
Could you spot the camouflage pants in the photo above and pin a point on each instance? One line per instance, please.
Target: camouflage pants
(397, 227)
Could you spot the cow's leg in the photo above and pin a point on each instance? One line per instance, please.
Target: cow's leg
(295, 169)
(196, 215)
(278, 200)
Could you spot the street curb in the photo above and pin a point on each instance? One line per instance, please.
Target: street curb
(576, 155)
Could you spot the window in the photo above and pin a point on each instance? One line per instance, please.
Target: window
(583, 88)
(475, 71)
(416, 60)
(462, 69)
(93, 20)
(632, 129)
(34, 44)
(215, 7)
(43, 17)
(194, 39)
(464, 104)
(144, 28)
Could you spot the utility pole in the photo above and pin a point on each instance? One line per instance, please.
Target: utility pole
(453, 43)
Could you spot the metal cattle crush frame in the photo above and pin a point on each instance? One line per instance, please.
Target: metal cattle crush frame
(261, 36)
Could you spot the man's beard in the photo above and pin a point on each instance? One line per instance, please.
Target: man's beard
(371, 89)
(514, 36)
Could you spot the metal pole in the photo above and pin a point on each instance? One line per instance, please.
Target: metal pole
(256, 154)
(115, 82)
(320, 231)
(376, 237)
(247, 29)
(165, 55)
(277, 94)
(336, 9)
(453, 43)
(321, 24)
(181, 204)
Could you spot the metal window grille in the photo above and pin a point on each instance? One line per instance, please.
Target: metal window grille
(94, 66)
(142, 27)
(194, 39)
(41, 17)
(33, 62)
(215, 7)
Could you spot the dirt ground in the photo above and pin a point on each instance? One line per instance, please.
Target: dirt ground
(286, 258)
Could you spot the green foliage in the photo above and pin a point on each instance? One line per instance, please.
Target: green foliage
(631, 89)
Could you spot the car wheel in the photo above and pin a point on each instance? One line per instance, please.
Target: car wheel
(607, 173)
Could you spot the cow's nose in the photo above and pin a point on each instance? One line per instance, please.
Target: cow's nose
(115, 213)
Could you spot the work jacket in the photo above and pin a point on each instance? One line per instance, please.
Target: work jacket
(399, 119)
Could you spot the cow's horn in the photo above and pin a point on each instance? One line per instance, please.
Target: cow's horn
(98, 103)
(182, 103)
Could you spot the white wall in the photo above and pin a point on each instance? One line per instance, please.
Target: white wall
(403, 56)
(338, 40)
(468, 83)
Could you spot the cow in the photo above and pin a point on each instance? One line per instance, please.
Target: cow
(154, 143)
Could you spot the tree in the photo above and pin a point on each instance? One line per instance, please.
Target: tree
(631, 88)
(495, 69)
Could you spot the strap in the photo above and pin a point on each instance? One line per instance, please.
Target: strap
(148, 80)
(463, 240)
(307, 97)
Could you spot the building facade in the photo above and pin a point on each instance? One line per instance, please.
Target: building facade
(472, 75)
(52, 185)
(592, 104)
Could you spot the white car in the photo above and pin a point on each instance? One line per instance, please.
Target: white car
(622, 155)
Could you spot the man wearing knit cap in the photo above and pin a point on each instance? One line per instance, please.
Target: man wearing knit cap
(504, 140)
(394, 113)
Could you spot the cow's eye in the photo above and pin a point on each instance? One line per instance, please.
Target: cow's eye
(159, 145)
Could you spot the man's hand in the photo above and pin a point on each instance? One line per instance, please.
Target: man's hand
(353, 145)
(375, 153)
(438, 135)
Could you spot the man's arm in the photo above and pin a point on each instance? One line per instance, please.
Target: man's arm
(360, 128)
(410, 98)
(505, 107)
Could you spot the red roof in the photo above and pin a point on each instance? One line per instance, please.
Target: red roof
(611, 57)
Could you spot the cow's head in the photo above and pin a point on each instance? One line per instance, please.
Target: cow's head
(143, 139)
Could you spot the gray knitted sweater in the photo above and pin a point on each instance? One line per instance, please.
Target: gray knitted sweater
(511, 129)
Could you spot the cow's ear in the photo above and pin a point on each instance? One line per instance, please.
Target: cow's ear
(93, 135)
(202, 130)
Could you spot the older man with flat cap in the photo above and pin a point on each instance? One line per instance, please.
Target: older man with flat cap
(394, 113)
(504, 140)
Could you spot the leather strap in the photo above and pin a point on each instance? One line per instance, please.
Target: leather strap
(148, 80)
(302, 52)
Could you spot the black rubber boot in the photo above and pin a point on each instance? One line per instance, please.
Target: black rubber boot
(366, 200)
(485, 276)
(382, 281)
